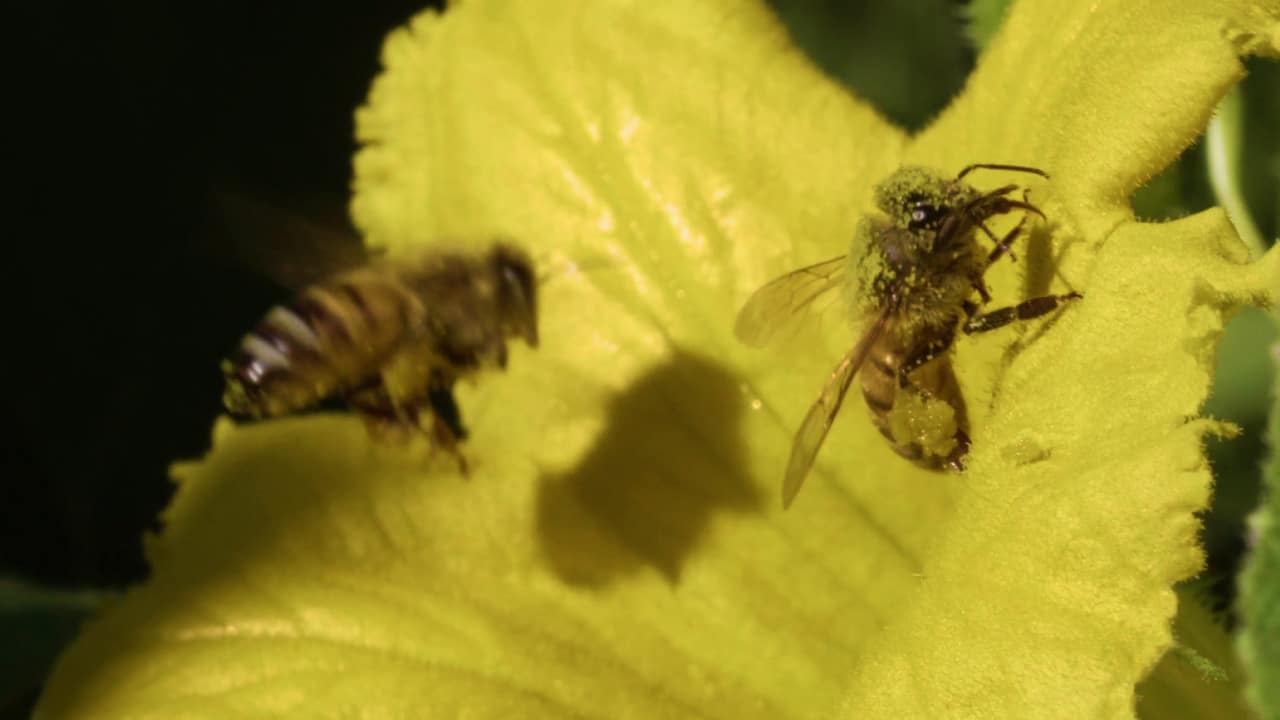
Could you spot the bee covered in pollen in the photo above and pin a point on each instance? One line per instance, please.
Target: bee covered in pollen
(914, 280)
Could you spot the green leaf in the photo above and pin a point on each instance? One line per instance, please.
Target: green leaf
(983, 20)
(1260, 581)
(36, 623)
(872, 48)
(1200, 676)
(1242, 374)
(1260, 173)
(1224, 150)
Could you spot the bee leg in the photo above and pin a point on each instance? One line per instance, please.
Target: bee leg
(1003, 245)
(919, 359)
(381, 417)
(445, 407)
(955, 458)
(1025, 310)
(1000, 205)
(446, 423)
(922, 355)
(442, 437)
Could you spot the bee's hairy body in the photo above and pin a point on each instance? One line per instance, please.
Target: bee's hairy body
(391, 337)
(333, 337)
(914, 281)
(922, 277)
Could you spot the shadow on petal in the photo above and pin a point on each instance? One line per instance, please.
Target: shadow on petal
(671, 455)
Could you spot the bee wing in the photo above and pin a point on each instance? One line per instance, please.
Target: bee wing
(292, 248)
(769, 308)
(816, 424)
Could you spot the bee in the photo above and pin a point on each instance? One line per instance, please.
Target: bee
(391, 337)
(915, 279)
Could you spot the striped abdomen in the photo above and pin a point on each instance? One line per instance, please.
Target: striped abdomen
(879, 377)
(332, 338)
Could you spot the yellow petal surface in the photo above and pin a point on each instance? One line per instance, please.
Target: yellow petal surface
(618, 549)
(1102, 95)
(1048, 594)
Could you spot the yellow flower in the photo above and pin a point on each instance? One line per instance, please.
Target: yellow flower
(619, 550)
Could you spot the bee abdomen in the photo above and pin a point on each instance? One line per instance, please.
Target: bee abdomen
(880, 388)
(331, 338)
(879, 385)
(880, 377)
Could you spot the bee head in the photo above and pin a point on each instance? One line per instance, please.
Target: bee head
(923, 212)
(916, 198)
(517, 291)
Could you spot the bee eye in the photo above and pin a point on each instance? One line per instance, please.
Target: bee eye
(921, 214)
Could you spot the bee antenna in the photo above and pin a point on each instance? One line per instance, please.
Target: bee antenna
(996, 166)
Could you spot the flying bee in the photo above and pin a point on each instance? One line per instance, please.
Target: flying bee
(391, 337)
(913, 277)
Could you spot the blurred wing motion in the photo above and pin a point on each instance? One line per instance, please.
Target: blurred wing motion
(293, 248)
(816, 424)
(769, 308)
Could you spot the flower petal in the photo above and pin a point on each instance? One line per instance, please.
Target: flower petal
(1103, 95)
(1049, 594)
(618, 550)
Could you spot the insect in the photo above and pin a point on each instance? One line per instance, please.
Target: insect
(913, 278)
(391, 337)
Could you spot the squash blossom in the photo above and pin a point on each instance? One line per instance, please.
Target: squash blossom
(619, 549)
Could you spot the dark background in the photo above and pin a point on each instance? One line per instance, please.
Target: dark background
(122, 119)
(127, 119)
